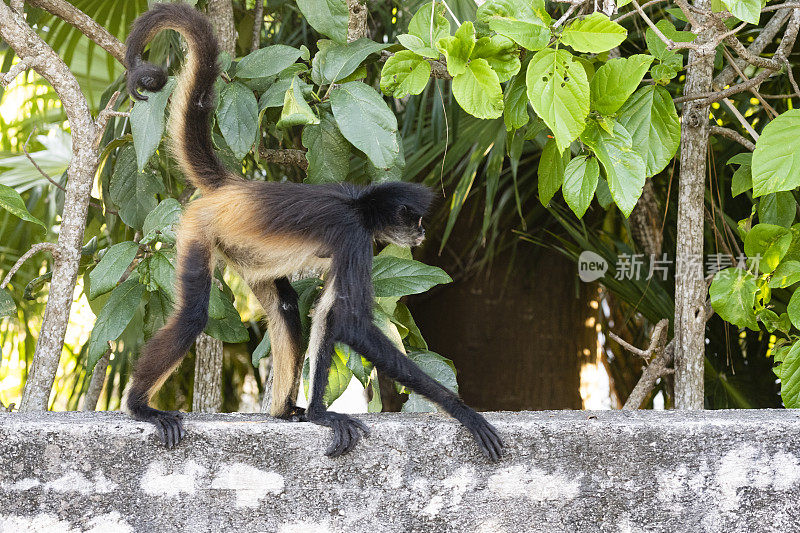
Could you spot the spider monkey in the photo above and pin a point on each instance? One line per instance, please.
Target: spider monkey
(267, 231)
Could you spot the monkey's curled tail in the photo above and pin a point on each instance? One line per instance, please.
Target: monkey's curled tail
(193, 99)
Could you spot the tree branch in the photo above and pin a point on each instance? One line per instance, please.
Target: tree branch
(286, 156)
(51, 247)
(732, 135)
(85, 24)
(258, 18)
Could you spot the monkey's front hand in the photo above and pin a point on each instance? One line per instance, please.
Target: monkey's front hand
(169, 425)
(346, 430)
(484, 434)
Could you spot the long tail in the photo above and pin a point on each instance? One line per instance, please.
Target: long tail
(193, 100)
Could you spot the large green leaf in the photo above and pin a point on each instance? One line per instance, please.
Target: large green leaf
(742, 178)
(367, 122)
(616, 80)
(328, 152)
(793, 308)
(132, 191)
(147, 122)
(777, 208)
(501, 53)
(429, 24)
(580, 182)
(745, 10)
(395, 276)
(296, 111)
(418, 46)
(11, 201)
(228, 329)
(328, 17)
(551, 170)
(787, 273)
(405, 73)
(334, 62)
(275, 95)
(162, 221)
(776, 159)
(339, 375)
(559, 93)
(160, 275)
(113, 318)
(733, 295)
(768, 244)
(437, 367)
(237, 117)
(624, 168)
(267, 62)
(789, 373)
(595, 33)
(111, 267)
(650, 117)
(526, 23)
(477, 90)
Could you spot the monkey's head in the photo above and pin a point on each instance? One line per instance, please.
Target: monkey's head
(393, 211)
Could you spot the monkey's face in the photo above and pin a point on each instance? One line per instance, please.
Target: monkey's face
(405, 230)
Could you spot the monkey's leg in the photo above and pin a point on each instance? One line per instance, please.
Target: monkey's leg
(165, 350)
(376, 347)
(346, 430)
(279, 301)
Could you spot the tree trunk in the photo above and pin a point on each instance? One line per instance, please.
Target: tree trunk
(80, 174)
(517, 341)
(690, 288)
(221, 14)
(96, 383)
(207, 396)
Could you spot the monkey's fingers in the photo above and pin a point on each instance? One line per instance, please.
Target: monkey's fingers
(341, 438)
(490, 443)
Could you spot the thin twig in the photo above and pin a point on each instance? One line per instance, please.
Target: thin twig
(671, 45)
(50, 246)
(632, 13)
(787, 5)
(571, 9)
(103, 116)
(791, 76)
(656, 341)
(746, 125)
(14, 71)
(712, 97)
(732, 135)
(753, 90)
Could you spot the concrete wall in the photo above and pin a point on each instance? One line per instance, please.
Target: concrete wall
(565, 471)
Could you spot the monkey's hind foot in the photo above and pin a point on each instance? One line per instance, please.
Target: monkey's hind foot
(485, 435)
(169, 424)
(294, 414)
(346, 431)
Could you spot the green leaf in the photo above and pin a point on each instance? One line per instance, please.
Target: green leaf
(458, 48)
(405, 73)
(515, 103)
(162, 221)
(296, 111)
(268, 61)
(616, 80)
(776, 159)
(595, 33)
(559, 93)
(328, 17)
(147, 122)
(770, 243)
(501, 53)
(276, 93)
(551, 170)
(658, 48)
(437, 367)
(418, 46)
(156, 313)
(787, 273)
(624, 168)
(603, 194)
(742, 178)
(262, 350)
(334, 62)
(477, 90)
(237, 116)
(11, 201)
(7, 305)
(395, 276)
(328, 152)
(162, 274)
(769, 318)
(580, 182)
(789, 374)
(339, 375)
(793, 308)
(526, 23)
(650, 117)
(111, 267)
(745, 10)
(132, 191)
(777, 208)
(229, 329)
(367, 122)
(733, 296)
(113, 318)
(429, 26)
